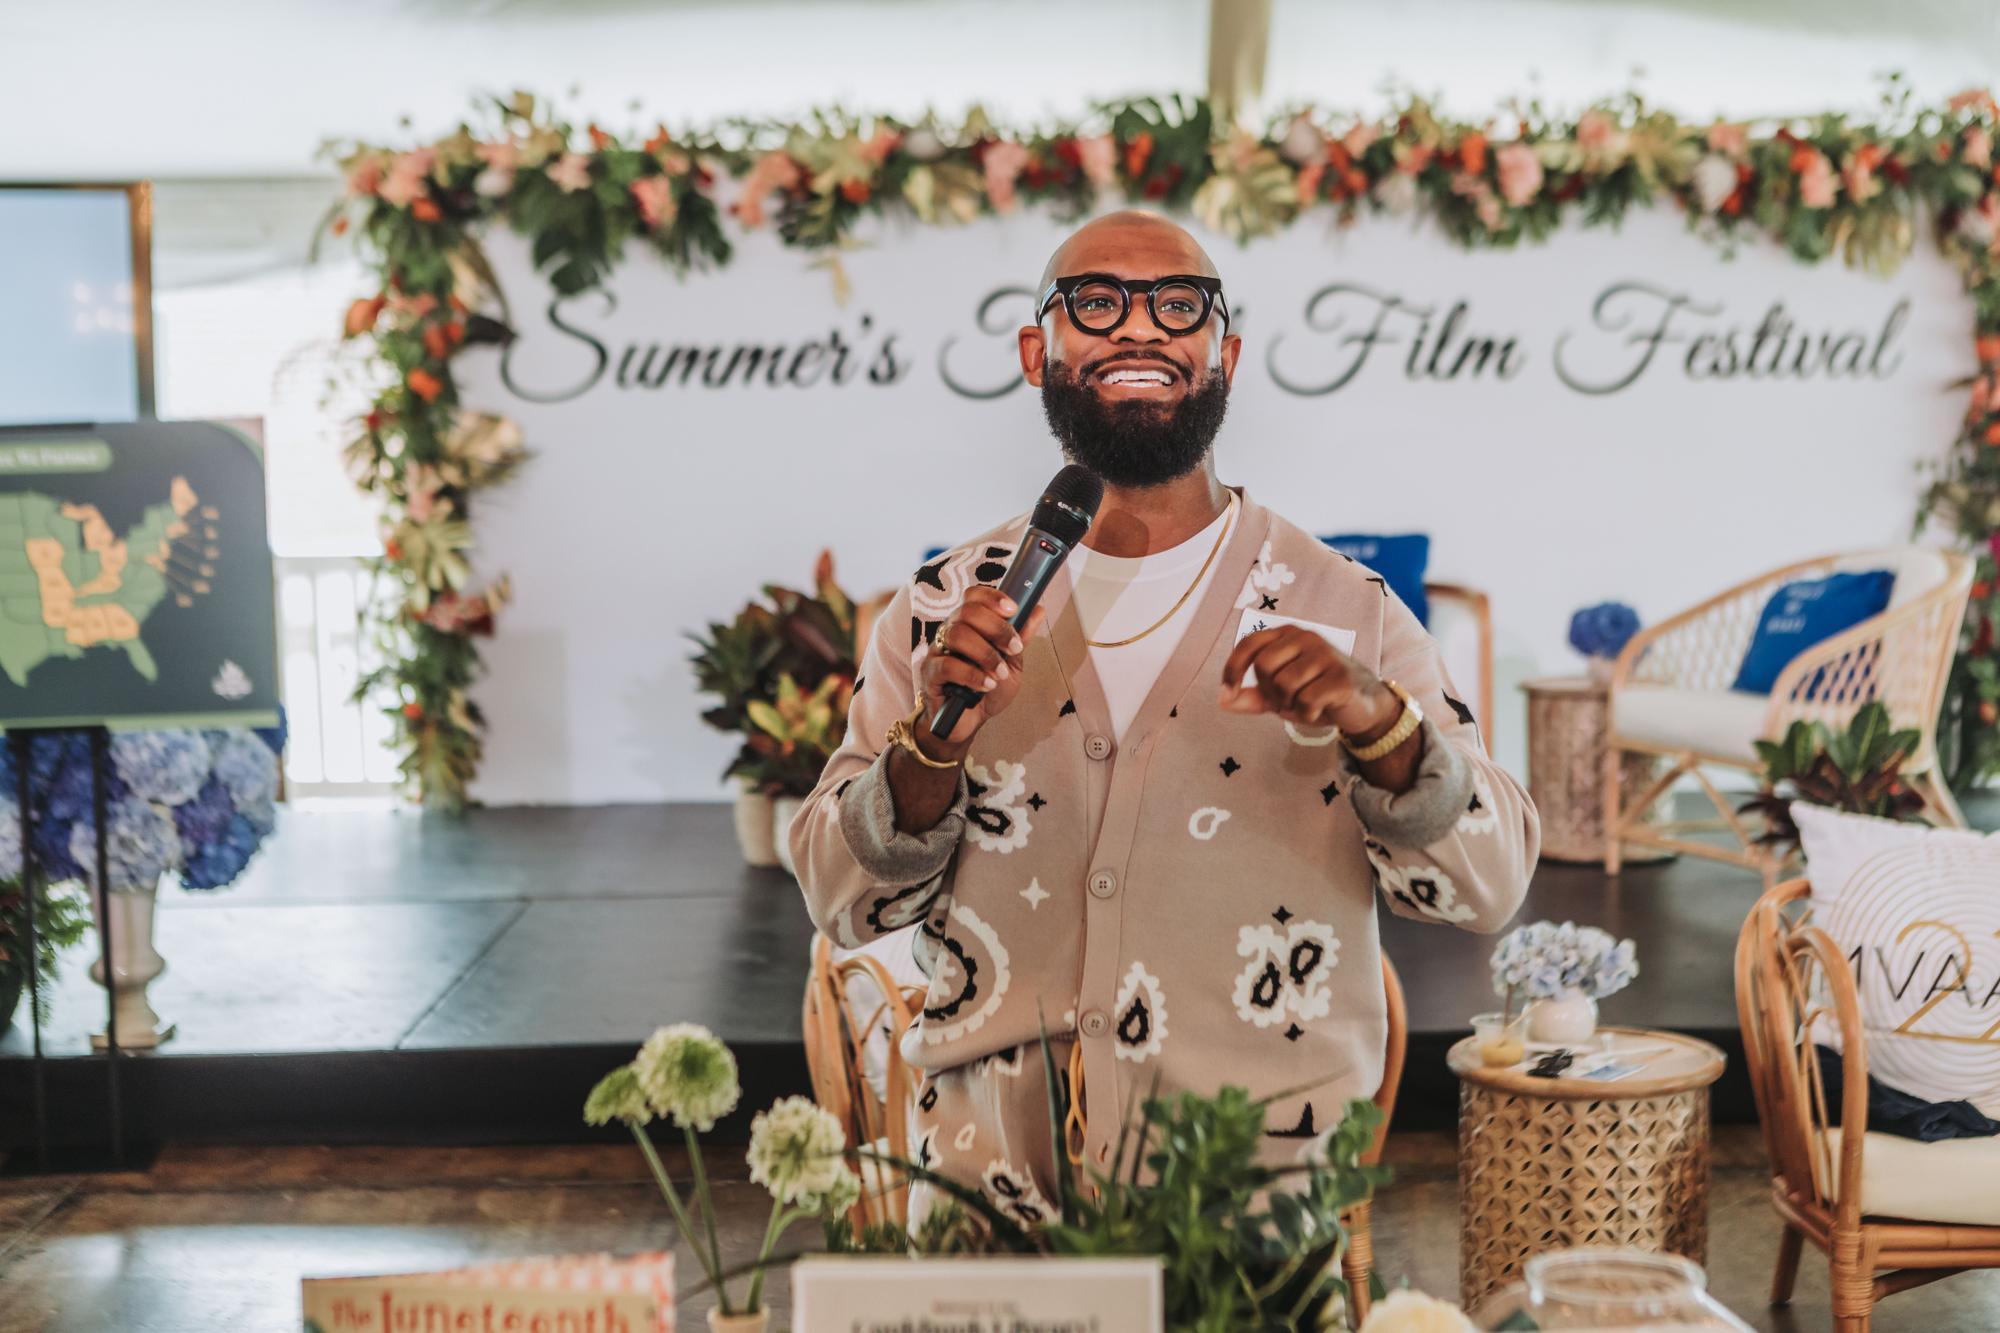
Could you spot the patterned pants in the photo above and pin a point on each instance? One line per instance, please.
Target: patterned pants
(985, 1125)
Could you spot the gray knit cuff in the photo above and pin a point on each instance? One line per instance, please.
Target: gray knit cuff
(1430, 809)
(888, 855)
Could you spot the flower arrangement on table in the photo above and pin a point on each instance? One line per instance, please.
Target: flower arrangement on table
(1242, 1244)
(1601, 632)
(1565, 969)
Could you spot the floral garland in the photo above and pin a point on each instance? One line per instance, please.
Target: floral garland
(1832, 185)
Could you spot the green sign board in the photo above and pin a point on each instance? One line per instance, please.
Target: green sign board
(135, 579)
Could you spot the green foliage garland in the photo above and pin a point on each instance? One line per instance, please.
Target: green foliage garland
(1828, 186)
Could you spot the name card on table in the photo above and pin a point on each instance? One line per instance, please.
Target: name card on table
(831, 1294)
(576, 1294)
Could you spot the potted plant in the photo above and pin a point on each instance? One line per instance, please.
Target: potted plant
(778, 654)
(61, 919)
(1859, 770)
(1565, 969)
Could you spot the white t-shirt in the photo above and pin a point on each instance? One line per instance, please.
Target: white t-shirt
(1118, 596)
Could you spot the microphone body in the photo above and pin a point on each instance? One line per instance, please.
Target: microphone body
(1060, 521)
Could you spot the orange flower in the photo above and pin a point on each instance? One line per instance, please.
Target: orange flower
(1981, 591)
(658, 141)
(1993, 434)
(599, 139)
(1472, 152)
(1989, 713)
(393, 549)
(361, 316)
(855, 191)
(426, 210)
(437, 342)
(340, 225)
(1987, 346)
(1137, 150)
(424, 384)
(1308, 182)
(413, 711)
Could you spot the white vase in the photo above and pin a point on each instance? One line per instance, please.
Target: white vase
(783, 808)
(134, 965)
(754, 828)
(754, 1322)
(1569, 1019)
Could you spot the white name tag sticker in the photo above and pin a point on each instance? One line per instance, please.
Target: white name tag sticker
(833, 1294)
(1254, 620)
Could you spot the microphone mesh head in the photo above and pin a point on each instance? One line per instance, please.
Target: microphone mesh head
(1069, 503)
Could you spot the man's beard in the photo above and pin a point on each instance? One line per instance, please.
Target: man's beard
(1133, 443)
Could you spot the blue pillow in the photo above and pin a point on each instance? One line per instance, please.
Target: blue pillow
(1399, 560)
(1802, 614)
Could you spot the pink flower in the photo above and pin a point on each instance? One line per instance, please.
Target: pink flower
(1816, 180)
(1488, 208)
(1859, 175)
(1004, 163)
(504, 155)
(364, 177)
(1242, 150)
(1597, 133)
(1972, 99)
(1729, 140)
(773, 171)
(1520, 173)
(423, 484)
(408, 178)
(882, 143)
(1978, 147)
(1302, 142)
(571, 171)
(1099, 158)
(655, 197)
(1359, 139)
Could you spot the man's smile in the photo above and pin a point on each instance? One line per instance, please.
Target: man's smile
(1149, 377)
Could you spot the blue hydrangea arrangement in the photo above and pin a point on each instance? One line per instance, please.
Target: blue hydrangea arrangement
(1544, 960)
(1603, 630)
(199, 803)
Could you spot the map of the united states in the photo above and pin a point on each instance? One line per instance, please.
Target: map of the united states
(69, 583)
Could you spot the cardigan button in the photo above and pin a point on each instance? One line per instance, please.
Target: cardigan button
(1095, 1024)
(1104, 884)
(1097, 746)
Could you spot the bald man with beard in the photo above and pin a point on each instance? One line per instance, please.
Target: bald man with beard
(1164, 830)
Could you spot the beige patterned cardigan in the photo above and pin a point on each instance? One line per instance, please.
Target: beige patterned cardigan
(1195, 903)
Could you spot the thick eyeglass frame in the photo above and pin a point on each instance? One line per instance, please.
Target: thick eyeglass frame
(1066, 289)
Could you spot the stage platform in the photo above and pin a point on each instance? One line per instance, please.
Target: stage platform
(388, 976)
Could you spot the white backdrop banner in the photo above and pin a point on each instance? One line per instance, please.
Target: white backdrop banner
(1616, 414)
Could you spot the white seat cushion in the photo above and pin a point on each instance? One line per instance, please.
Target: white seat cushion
(1949, 1181)
(1718, 722)
(1917, 571)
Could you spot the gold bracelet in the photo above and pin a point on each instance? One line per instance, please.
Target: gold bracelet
(1411, 718)
(901, 736)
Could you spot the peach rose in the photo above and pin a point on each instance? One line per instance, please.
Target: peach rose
(1729, 140)
(880, 144)
(1360, 139)
(1098, 157)
(571, 172)
(1004, 162)
(1597, 133)
(1978, 149)
(655, 197)
(505, 154)
(1816, 179)
(1973, 99)
(1520, 173)
(424, 384)
(1859, 174)
(364, 175)
(1308, 182)
(773, 171)
(361, 316)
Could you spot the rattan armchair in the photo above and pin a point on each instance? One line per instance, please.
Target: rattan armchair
(1670, 696)
(1792, 983)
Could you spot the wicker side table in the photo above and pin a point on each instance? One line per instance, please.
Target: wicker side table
(1569, 718)
(1545, 1163)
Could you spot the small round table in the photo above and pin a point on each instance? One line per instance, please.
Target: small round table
(1569, 719)
(1546, 1163)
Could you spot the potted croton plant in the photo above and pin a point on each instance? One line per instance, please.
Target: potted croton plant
(1858, 770)
(781, 672)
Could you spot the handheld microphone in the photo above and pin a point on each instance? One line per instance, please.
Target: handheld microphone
(1061, 517)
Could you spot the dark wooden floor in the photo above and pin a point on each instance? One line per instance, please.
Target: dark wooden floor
(385, 974)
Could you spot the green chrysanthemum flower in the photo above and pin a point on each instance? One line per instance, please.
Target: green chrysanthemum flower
(688, 1076)
(795, 1151)
(618, 1097)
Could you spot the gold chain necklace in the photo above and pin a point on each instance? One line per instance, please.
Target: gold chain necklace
(1229, 522)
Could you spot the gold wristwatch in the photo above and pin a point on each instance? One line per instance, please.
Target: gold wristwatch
(902, 735)
(1412, 718)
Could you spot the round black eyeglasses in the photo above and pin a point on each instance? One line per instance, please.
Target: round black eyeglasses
(1099, 302)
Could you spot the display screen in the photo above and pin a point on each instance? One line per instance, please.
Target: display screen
(71, 307)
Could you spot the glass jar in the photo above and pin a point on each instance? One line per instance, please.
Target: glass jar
(1500, 1040)
(1607, 1289)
